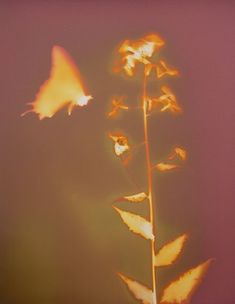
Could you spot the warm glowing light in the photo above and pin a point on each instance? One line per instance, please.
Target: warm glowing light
(168, 100)
(181, 290)
(63, 88)
(83, 100)
(163, 69)
(134, 53)
(148, 68)
(117, 105)
(170, 252)
(180, 152)
(138, 51)
(120, 144)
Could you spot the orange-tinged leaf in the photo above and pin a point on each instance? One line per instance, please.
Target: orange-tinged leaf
(135, 198)
(170, 252)
(163, 69)
(181, 290)
(121, 144)
(63, 88)
(137, 224)
(140, 292)
(166, 167)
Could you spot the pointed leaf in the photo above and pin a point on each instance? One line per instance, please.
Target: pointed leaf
(181, 290)
(169, 253)
(140, 292)
(136, 223)
(135, 198)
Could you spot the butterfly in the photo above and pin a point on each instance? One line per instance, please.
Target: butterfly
(63, 88)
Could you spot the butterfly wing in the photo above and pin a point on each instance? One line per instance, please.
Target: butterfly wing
(64, 86)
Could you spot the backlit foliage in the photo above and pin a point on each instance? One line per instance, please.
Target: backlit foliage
(64, 88)
(137, 224)
(170, 252)
(133, 53)
(140, 292)
(182, 289)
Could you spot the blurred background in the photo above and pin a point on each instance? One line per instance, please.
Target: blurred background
(61, 241)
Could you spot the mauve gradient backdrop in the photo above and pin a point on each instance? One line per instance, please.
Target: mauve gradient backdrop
(60, 240)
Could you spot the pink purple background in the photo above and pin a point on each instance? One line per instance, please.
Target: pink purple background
(60, 240)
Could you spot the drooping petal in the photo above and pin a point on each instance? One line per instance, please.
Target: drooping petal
(166, 166)
(170, 252)
(181, 153)
(181, 290)
(178, 152)
(121, 144)
(63, 88)
(169, 101)
(135, 198)
(117, 105)
(136, 223)
(140, 292)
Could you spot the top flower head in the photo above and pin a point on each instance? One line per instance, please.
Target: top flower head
(140, 51)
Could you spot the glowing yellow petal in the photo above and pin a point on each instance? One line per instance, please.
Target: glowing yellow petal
(135, 198)
(181, 152)
(166, 166)
(120, 149)
(169, 253)
(178, 152)
(168, 100)
(136, 224)
(120, 144)
(140, 292)
(117, 105)
(181, 290)
(162, 70)
(63, 88)
(148, 69)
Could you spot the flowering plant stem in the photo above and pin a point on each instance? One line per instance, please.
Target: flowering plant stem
(150, 182)
(180, 290)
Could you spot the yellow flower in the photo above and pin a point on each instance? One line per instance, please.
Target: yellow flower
(138, 51)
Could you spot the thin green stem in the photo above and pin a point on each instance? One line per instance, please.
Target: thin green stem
(150, 182)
